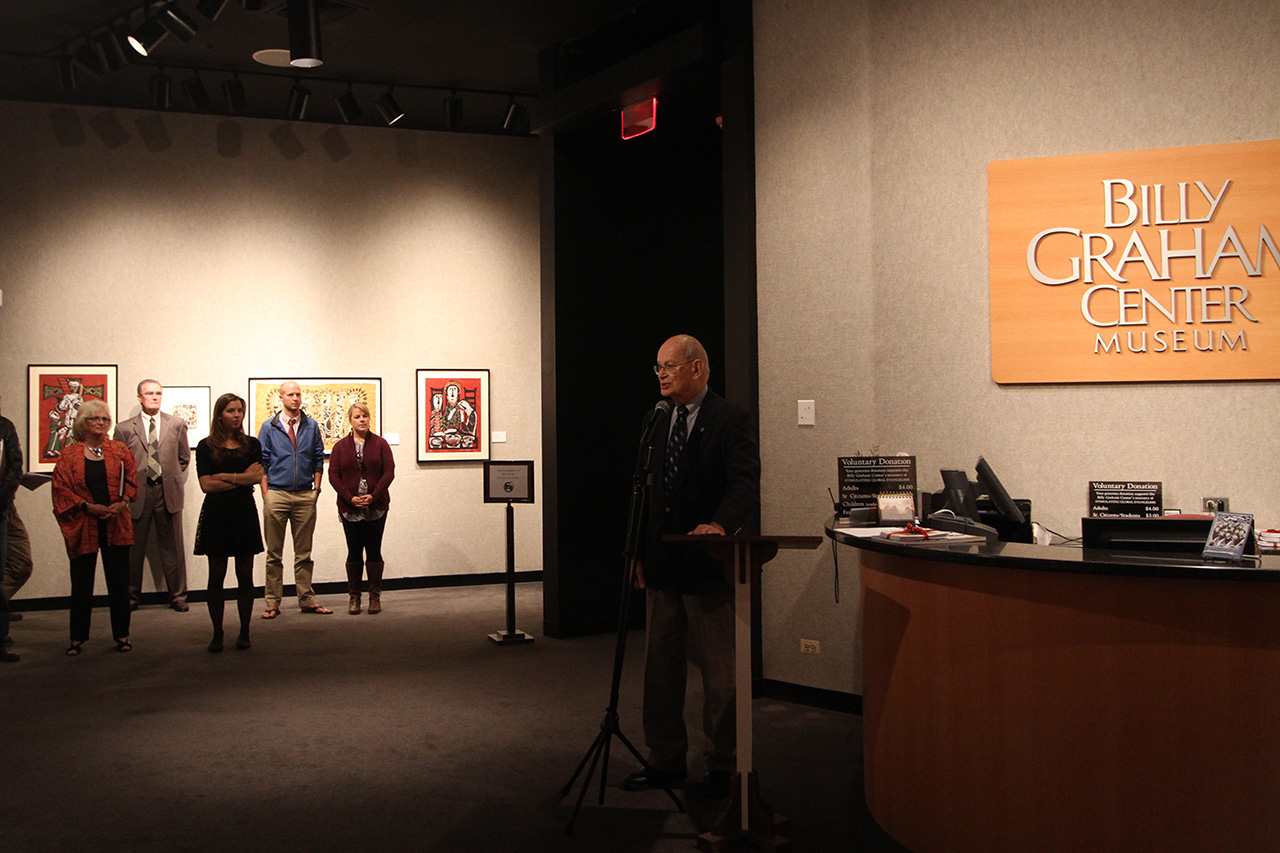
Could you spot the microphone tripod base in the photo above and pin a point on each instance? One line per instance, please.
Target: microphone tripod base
(510, 638)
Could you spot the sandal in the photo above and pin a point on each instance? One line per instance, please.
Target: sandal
(271, 613)
(74, 648)
(124, 645)
(316, 608)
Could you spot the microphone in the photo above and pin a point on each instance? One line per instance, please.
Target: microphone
(663, 407)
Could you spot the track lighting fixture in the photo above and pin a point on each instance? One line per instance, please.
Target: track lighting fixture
(148, 36)
(233, 94)
(66, 72)
(304, 33)
(111, 49)
(391, 112)
(452, 111)
(160, 86)
(516, 114)
(88, 58)
(348, 106)
(297, 106)
(211, 9)
(196, 93)
(178, 22)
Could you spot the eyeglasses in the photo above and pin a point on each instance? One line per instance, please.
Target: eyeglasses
(98, 418)
(659, 369)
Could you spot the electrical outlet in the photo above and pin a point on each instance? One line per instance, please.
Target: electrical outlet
(1215, 504)
(811, 647)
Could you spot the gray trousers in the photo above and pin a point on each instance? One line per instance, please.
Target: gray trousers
(680, 628)
(168, 529)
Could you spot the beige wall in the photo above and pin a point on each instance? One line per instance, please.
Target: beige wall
(204, 251)
(875, 125)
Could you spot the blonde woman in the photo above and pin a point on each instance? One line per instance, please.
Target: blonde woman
(94, 481)
(361, 469)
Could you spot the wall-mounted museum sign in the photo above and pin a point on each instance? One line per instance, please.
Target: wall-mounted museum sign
(1139, 266)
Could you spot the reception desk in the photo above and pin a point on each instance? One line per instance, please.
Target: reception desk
(1019, 697)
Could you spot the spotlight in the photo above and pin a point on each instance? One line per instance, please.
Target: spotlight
(391, 112)
(67, 72)
(111, 49)
(178, 22)
(211, 9)
(452, 111)
(160, 86)
(148, 36)
(233, 93)
(304, 33)
(297, 106)
(196, 93)
(348, 106)
(516, 114)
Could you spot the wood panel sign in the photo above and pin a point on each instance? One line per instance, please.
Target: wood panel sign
(1139, 266)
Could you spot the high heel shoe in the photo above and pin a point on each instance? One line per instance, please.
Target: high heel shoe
(75, 648)
(123, 645)
(242, 642)
(215, 645)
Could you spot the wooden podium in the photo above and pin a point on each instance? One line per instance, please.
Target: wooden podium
(746, 816)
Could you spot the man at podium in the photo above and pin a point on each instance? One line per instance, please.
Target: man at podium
(707, 481)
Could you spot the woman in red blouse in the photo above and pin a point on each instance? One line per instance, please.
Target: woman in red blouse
(94, 482)
(361, 469)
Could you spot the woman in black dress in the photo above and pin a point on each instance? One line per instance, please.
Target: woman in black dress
(229, 467)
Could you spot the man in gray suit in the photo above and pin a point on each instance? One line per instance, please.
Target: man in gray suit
(162, 453)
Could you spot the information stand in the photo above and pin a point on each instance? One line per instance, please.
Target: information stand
(746, 816)
(509, 483)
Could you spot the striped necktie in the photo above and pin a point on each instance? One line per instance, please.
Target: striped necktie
(675, 444)
(153, 462)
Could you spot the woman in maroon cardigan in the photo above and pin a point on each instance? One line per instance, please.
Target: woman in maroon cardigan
(361, 469)
(94, 482)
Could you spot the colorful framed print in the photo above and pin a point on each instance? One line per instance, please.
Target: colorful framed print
(453, 415)
(192, 404)
(325, 400)
(55, 393)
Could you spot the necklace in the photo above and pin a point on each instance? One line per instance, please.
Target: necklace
(96, 451)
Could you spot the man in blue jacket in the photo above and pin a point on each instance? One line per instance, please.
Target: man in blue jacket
(293, 457)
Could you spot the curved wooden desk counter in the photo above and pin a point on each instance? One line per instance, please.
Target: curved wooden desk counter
(1025, 698)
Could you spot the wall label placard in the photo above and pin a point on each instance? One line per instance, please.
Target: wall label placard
(1125, 499)
(1137, 266)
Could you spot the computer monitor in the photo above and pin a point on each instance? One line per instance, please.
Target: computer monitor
(989, 483)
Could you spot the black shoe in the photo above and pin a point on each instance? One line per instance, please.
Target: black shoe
(180, 606)
(15, 617)
(643, 780)
(215, 645)
(7, 656)
(242, 642)
(715, 785)
(133, 605)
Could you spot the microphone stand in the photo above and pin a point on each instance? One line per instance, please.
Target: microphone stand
(642, 483)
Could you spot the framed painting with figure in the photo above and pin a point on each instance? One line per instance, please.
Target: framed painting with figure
(55, 393)
(453, 415)
(324, 400)
(191, 403)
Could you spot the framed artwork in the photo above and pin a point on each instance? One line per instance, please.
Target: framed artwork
(325, 400)
(192, 404)
(55, 393)
(453, 415)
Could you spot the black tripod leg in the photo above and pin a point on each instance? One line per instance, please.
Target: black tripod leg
(601, 741)
(647, 767)
(595, 745)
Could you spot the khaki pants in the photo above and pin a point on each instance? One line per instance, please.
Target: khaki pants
(17, 568)
(297, 510)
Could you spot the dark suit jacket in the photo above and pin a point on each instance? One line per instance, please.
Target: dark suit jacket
(175, 455)
(718, 481)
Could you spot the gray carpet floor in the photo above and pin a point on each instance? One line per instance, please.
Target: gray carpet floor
(408, 730)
